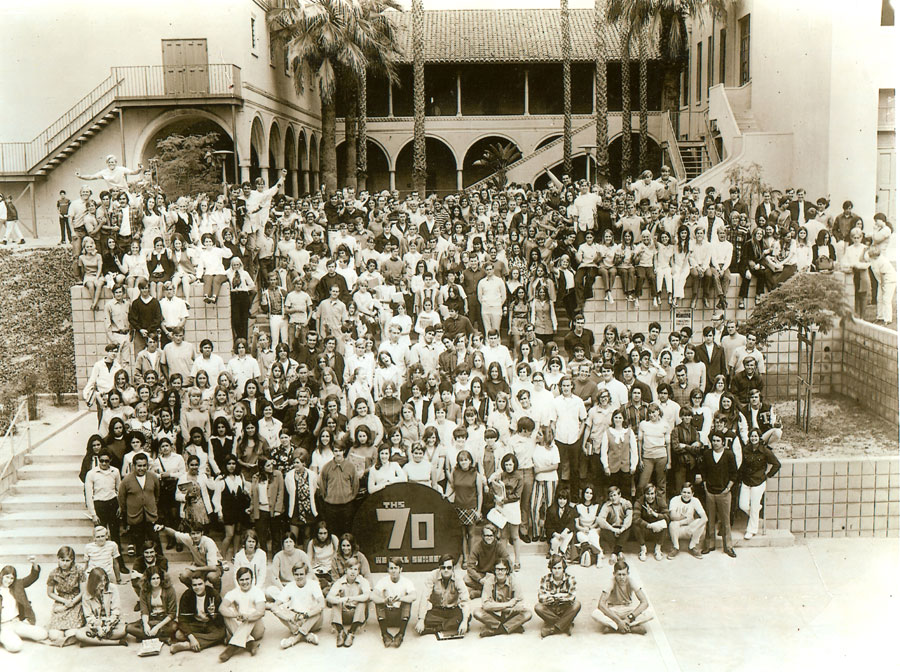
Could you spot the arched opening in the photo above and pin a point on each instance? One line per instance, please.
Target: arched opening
(378, 174)
(275, 154)
(290, 161)
(302, 164)
(617, 172)
(583, 167)
(187, 125)
(440, 171)
(473, 173)
(313, 163)
(257, 148)
(546, 141)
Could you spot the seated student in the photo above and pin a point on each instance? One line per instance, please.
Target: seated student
(64, 588)
(483, 557)
(617, 610)
(559, 525)
(158, 608)
(299, 606)
(149, 559)
(349, 596)
(686, 519)
(651, 521)
(615, 520)
(103, 618)
(444, 606)
(502, 610)
(557, 605)
(283, 564)
(243, 608)
(254, 557)
(200, 623)
(393, 597)
(205, 556)
(17, 621)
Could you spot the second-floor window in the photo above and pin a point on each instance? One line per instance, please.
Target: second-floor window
(699, 82)
(252, 33)
(722, 51)
(744, 27)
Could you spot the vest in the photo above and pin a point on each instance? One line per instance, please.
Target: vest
(618, 454)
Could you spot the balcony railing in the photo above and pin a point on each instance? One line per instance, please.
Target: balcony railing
(219, 80)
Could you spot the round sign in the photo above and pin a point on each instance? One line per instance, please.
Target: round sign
(408, 520)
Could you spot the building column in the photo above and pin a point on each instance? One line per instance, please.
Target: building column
(527, 113)
(458, 93)
(392, 179)
(264, 173)
(390, 100)
(292, 178)
(305, 181)
(459, 179)
(245, 171)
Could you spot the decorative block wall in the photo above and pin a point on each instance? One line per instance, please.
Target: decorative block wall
(857, 497)
(206, 321)
(869, 365)
(781, 352)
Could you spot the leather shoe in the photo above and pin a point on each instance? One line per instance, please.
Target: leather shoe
(730, 553)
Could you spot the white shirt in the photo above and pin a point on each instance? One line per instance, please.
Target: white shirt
(305, 600)
(618, 393)
(585, 206)
(245, 602)
(569, 415)
(174, 311)
(402, 588)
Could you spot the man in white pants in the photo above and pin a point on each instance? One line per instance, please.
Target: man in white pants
(9, 214)
(687, 519)
(491, 291)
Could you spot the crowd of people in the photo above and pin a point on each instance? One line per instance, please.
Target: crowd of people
(380, 340)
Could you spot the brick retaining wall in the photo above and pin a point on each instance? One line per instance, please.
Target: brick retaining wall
(869, 368)
(843, 497)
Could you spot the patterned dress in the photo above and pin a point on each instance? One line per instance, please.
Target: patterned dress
(66, 584)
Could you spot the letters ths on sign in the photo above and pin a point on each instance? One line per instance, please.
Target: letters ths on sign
(408, 520)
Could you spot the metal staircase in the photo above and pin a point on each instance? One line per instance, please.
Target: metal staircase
(694, 157)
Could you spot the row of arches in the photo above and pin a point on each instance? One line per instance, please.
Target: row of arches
(296, 150)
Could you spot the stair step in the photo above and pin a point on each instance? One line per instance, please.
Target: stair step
(66, 518)
(25, 537)
(50, 470)
(53, 458)
(55, 486)
(43, 552)
(43, 502)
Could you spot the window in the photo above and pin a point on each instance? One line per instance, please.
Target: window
(887, 13)
(253, 34)
(710, 61)
(699, 87)
(886, 114)
(744, 27)
(722, 42)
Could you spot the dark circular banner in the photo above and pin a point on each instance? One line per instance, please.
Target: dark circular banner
(409, 520)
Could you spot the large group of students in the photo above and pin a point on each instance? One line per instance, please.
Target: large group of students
(381, 340)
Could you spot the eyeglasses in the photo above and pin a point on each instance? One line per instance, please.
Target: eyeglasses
(447, 567)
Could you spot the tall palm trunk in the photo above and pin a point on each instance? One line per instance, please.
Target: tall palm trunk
(362, 157)
(327, 153)
(600, 93)
(626, 104)
(419, 162)
(642, 96)
(350, 130)
(567, 84)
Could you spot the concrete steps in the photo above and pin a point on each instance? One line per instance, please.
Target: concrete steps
(49, 470)
(50, 486)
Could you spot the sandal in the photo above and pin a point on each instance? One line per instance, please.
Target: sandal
(517, 567)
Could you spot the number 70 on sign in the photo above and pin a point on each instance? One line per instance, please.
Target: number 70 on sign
(421, 534)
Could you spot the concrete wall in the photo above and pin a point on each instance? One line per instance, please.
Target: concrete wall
(845, 497)
(869, 367)
(206, 321)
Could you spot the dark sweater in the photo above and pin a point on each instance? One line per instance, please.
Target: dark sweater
(145, 315)
(717, 475)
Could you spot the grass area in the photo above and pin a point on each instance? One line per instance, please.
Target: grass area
(35, 322)
(838, 427)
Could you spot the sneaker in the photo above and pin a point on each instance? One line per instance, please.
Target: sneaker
(288, 642)
(696, 553)
(642, 556)
(341, 637)
(748, 535)
(313, 639)
(658, 553)
(673, 553)
(348, 640)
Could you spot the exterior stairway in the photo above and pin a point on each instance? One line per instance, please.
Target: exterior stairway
(45, 509)
(94, 126)
(695, 158)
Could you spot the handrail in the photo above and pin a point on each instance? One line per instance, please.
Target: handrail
(22, 410)
(672, 140)
(221, 79)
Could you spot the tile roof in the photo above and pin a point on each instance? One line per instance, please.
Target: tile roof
(506, 35)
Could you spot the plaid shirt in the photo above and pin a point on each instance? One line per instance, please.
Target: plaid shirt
(552, 592)
(738, 237)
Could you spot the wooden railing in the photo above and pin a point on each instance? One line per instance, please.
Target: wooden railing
(124, 83)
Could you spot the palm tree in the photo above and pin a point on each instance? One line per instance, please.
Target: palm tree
(497, 158)
(667, 22)
(351, 128)
(626, 103)
(362, 157)
(565, 29)
(337, 41)
(642, 98)
(600, 103)
(419, 163)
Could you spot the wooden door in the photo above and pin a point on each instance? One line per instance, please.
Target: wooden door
(185, 67)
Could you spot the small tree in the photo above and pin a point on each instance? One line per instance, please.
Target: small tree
(184, 167)
(811, 303)
(498, 157)
(749, 179)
